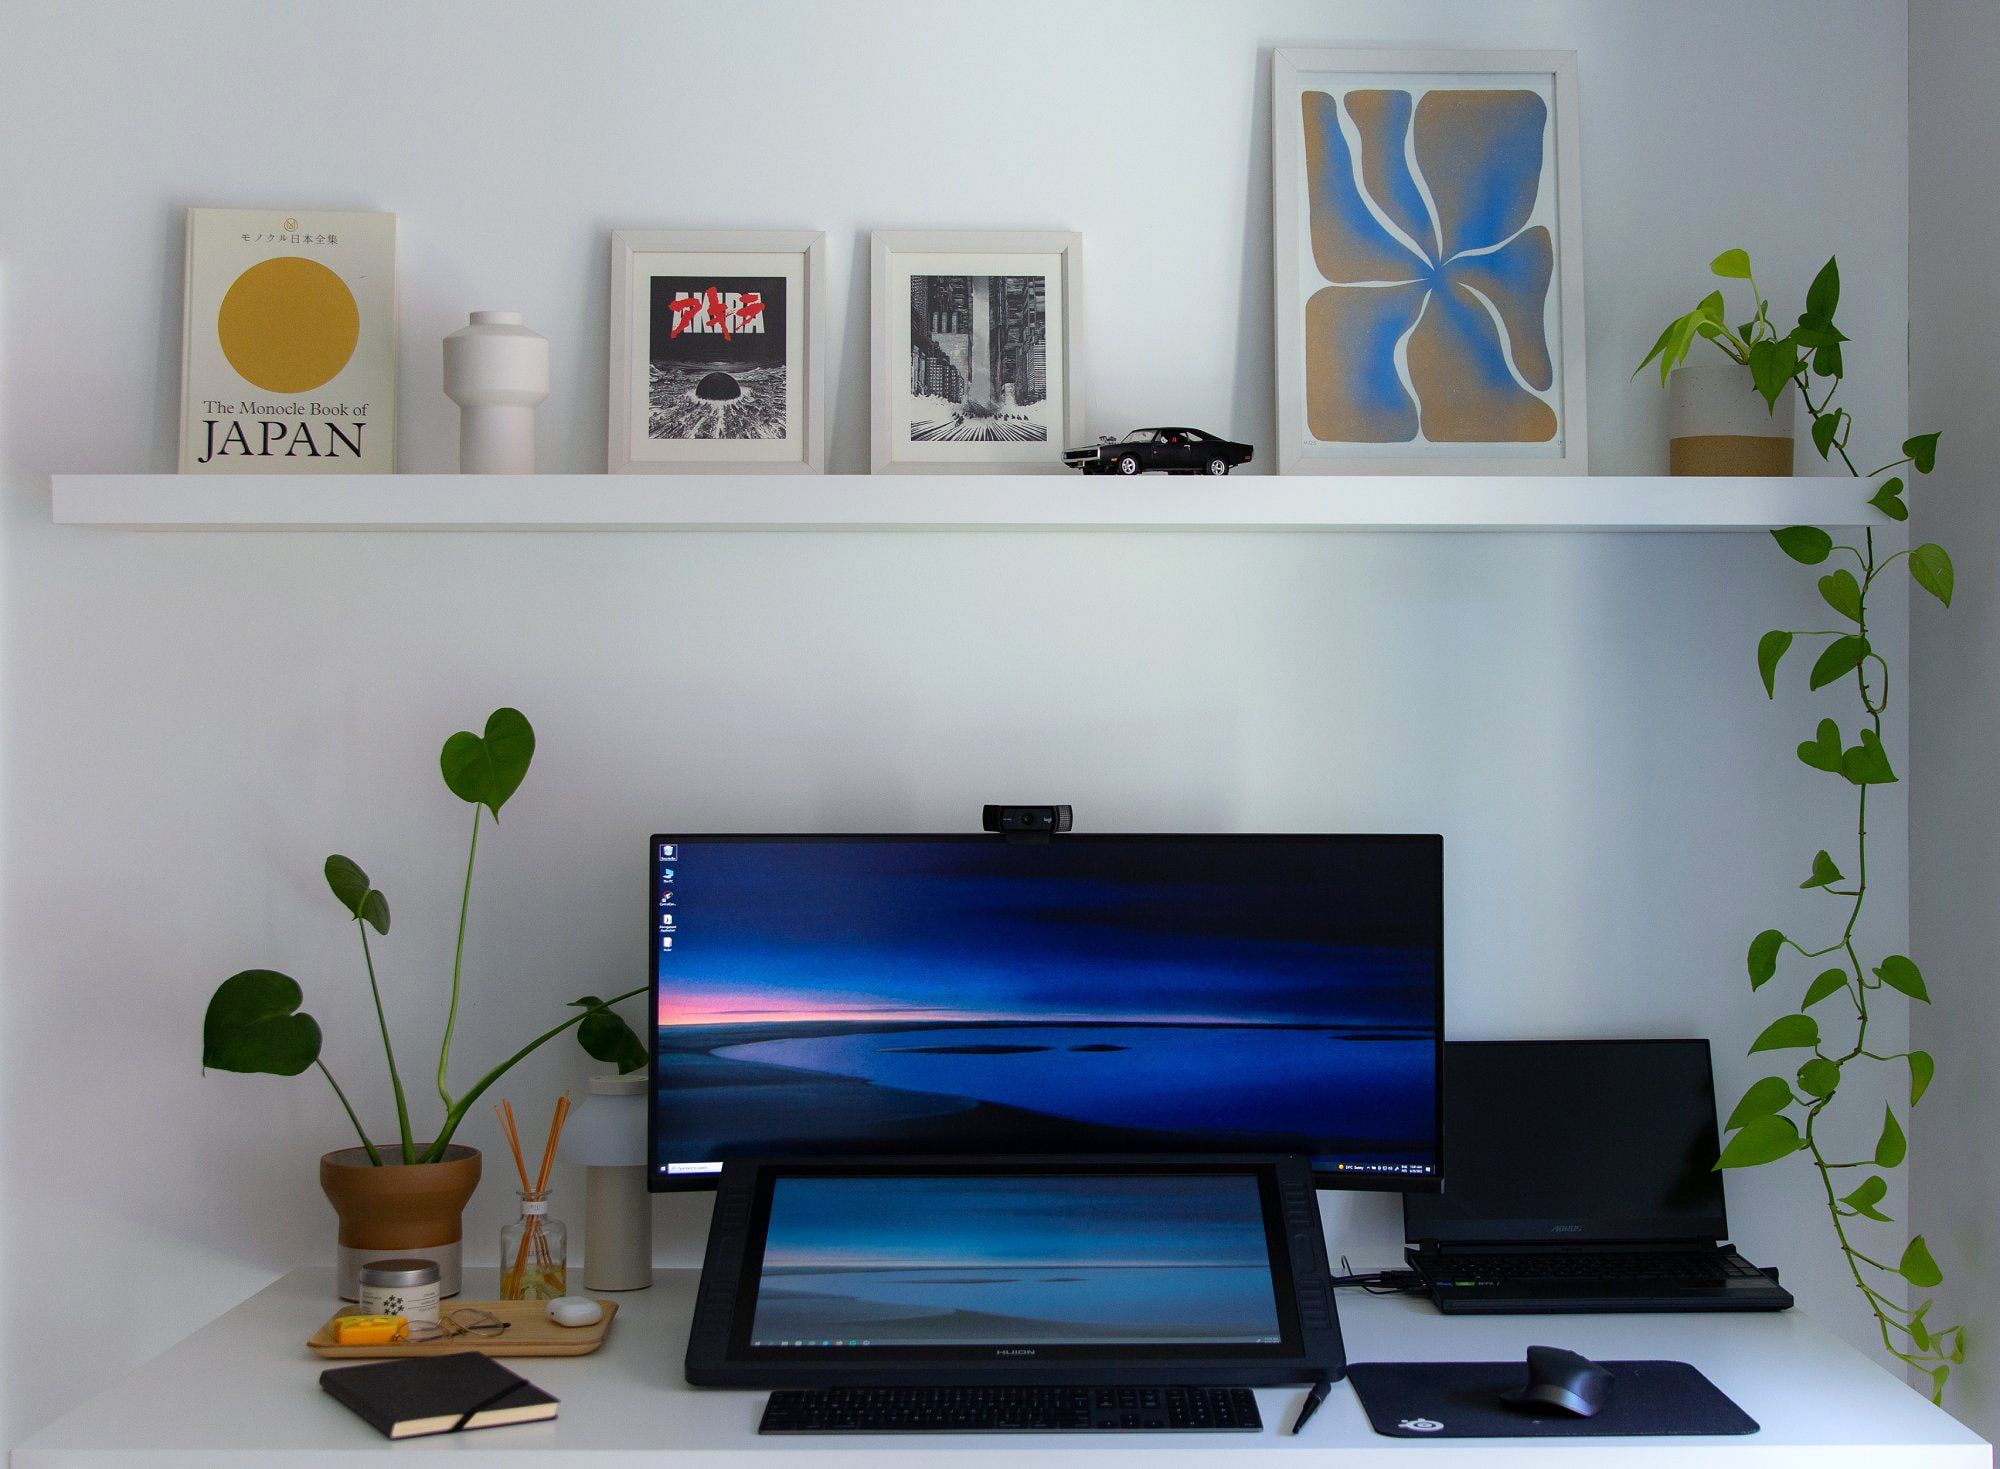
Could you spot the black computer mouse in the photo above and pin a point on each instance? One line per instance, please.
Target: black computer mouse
(1562, 1381)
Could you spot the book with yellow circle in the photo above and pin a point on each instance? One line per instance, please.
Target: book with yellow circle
(289, 343)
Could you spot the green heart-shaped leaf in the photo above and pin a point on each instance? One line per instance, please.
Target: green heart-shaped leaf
(1867, 764)
(1918, 1267)
(1818, 1077)
(1824, 873)
(357, 895)
(1804, 543)
(485, 771)
(1922, 1069)
(1842, 656)
(1827, 361)
(1826, 431)
(1823, 295)
(1891, 1146)
(605, 1036)
(1732, 265)
(1829, 981)
(1771, 367)
(1770, 1095)
(1864, 1199)
(1764, 956)
(1770, 648)
(1889, 499)
(1785, 1033)
(1899, 973)
(1922, 451)
(252, 1026)
(1823, 752)
(1761, 1140)
(1842, 593)
(1930, 568)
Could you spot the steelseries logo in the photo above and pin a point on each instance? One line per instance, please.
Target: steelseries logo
(1014, 1351)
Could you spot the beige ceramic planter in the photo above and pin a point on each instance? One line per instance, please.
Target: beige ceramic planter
(399, 1209)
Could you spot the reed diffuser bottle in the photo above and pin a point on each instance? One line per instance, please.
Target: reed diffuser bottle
(534, 1249)
(534, 1252)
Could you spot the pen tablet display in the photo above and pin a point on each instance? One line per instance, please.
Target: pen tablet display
(968, 1261)
(1051, 1270)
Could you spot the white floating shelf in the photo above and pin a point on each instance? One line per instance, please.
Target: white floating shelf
(948, 502)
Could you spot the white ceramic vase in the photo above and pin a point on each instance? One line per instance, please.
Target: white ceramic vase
(497, 371)
(1718, 423)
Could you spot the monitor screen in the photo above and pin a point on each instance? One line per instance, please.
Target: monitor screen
(1088, 994)
(975, 1261)
(1592, 1139)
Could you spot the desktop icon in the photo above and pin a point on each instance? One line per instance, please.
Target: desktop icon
(666, 941)
(667, 851)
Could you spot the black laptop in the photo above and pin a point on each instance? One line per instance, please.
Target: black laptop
(1581, 1177)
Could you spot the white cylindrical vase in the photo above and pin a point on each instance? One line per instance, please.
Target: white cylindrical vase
(607, 1135)
(497, 371)
(617, 1229)
(1718, 423)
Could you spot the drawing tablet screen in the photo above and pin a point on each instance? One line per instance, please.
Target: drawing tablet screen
(969, 1261)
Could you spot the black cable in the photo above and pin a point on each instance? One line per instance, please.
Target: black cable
(1378, 1282)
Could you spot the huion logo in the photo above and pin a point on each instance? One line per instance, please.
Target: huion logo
(1421, 1425)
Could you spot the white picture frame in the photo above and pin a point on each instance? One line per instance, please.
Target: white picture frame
(978, 419)
(673, 410)
(1550, 75)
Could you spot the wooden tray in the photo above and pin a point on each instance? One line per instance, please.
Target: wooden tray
(532, 1334)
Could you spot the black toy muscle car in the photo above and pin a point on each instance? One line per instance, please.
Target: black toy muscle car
(1172, 450)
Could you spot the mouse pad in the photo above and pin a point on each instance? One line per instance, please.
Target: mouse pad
(1462, 1400)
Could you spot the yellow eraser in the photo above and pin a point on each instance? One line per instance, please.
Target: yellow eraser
(368, 1331)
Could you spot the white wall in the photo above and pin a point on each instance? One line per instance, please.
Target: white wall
(193, 721)
(1955, 811)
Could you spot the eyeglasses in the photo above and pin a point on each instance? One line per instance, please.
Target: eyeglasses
(463, 1321)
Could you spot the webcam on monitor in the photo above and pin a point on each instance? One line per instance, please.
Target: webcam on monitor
(1010, 819)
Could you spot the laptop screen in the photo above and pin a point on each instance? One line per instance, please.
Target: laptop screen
(1554, 1141)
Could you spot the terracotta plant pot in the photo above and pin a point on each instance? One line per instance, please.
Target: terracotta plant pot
(399, 1209)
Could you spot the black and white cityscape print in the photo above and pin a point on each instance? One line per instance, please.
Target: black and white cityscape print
(979, 359)
(717, 358)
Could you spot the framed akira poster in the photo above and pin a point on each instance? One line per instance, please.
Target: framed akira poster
(1428, 262)
(718, 351)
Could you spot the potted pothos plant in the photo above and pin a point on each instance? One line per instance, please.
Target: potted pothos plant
(405, 1195)
(1829, 1050)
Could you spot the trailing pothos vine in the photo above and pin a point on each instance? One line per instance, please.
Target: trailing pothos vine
(1780, 1115)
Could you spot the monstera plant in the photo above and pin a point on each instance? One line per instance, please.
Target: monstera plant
(1825, 1049)
(254, 1022)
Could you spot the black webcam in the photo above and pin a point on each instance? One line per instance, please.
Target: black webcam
(1039, 820)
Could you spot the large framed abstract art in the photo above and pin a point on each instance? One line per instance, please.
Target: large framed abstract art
(1429, 269)
(718, 351)
(975, 350)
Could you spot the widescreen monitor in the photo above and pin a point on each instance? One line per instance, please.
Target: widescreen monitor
(971, 995)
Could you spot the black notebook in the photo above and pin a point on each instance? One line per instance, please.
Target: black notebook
(413, 1396)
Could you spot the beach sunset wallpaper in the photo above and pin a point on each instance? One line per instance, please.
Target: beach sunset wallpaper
(944, 1261)
(1086, 994)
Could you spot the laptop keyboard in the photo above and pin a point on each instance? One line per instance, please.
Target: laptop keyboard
(1697, 1268)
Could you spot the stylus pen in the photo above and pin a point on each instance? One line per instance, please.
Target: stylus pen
(1313, 1399)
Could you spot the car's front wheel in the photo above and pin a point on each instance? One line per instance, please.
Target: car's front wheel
(1218, 465)
(1128, 464)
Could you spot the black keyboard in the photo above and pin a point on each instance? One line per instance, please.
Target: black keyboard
(1011, 1410)
(1710, 1267)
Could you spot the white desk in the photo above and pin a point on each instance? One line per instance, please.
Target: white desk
(244, 1391)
